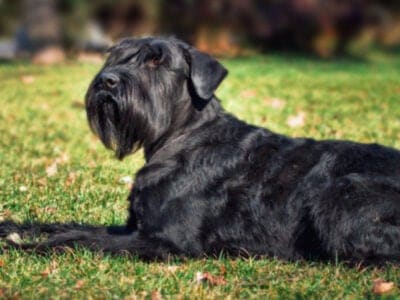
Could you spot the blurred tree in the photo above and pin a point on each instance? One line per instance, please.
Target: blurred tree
(41, 25)
(10, 12)
(324, 27)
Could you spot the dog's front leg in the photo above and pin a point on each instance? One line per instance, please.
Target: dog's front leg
(131, 224)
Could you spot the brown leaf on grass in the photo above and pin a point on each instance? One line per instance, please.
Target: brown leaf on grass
(49, 209)
(126, 180)
(2, 263)
(42, 182)
(275, 102)
(382, 287)
(172, 269)
(209, 278)
(156, 295)
(27, 79)
(222, 269)
(23, 188)
(63, 158)
(51, 269)
(248, 93)
(71, 178)
(79, 284)
(46, 272)
(6, 213)
(296, 120)
(52, 169)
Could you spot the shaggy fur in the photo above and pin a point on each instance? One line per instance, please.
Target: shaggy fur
(213, 183)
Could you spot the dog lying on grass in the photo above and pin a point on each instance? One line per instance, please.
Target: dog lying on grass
(214, 184)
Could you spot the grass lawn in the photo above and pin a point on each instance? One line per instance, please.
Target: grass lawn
(52, 169)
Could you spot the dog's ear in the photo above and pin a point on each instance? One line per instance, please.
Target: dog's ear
(206, 73)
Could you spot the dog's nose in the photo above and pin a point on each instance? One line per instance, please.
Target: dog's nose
(109, 80)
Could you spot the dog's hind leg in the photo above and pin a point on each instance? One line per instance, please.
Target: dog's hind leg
(358, 219)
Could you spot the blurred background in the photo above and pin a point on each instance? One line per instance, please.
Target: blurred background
(48, 31)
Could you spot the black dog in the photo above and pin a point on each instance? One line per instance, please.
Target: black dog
(213, 183)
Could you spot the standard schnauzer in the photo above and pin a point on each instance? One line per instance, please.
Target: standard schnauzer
(214, 184)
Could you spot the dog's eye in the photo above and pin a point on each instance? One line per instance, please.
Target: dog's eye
(154, 56)
(154, 62)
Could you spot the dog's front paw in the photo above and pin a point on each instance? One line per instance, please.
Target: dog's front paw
(7, 228)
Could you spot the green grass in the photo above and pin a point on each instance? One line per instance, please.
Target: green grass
(42, 124)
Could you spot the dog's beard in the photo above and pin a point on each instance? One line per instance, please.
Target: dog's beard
(112, 122)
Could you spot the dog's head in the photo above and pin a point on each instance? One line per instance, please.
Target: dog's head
(145, 87)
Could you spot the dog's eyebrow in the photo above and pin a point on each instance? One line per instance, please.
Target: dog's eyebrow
(123, 55)
(125, 58)
(125, 50)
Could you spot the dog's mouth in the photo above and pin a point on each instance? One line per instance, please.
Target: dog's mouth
(103, 97)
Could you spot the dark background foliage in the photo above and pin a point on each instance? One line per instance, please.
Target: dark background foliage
(229, 27)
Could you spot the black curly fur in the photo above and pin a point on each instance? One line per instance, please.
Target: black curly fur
(213, 183)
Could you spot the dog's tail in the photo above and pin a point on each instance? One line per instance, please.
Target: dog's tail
(112, 240)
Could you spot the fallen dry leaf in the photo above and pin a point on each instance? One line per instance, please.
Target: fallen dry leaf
(2, 263)
(296, 120)
(52, 169)
(51, 269)
(172, 269)
(79, 284)
(5, 214)
(42, 181)
(126, 180)
(46, 272)
(23, 188)
(62, 159)
(211, 279)
(275, 102)
(156, 295)
(71, 178)
(382, 287)
(222, 269)
(49, 209)
(248, 93)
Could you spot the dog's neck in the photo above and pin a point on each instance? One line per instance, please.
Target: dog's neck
(178, 131)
